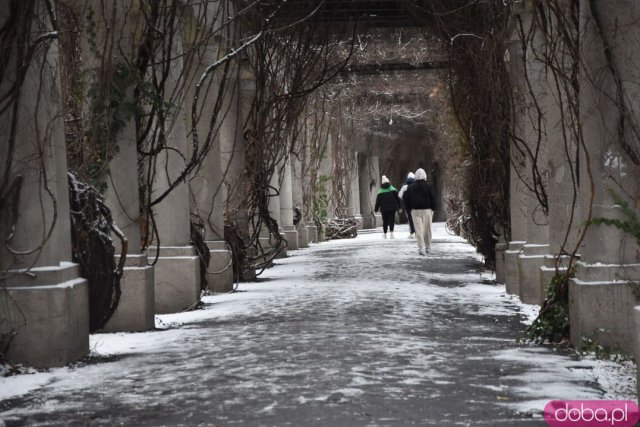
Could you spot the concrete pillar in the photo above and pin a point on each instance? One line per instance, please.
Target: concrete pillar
(518, 235)
(353, 189)
(309, 179)
(517, 205)
(369, 179)
(135, 310)
(177, 270)
(326, 170)
(529, 229)
(208, 194)
(511, 267)
(530, 262)
(43, 299)
(533, 132)
(274, 207)
(373, 189)
(231, 145)
(266, 237)
(601, 305)
(601, 298)
(303, 234)
(562, 190)
(237, 105)
(312, 231)
(286, 208)
(518, 211)
(297, 194)
(500, 249)
(274, 201)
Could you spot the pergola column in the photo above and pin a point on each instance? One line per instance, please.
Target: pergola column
(43, 298)
(517, 207)
(353, 189)
(274, 207)
(136, 310)
(297, 193)
(177, 275)
(208, 194)
(564, 219)
(368, 176)
(326, 170)
(308, 188)
(601, 297)
(237, 104)
(286, 207)
(533, 93)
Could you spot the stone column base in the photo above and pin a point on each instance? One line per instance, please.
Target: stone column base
(220, 271)
(312, 232)
(511, 270)
(529, 263)
(282, 253)
(602, 299)
(500, 261)
(548, 271)
(250, 274)
(368, 222)
(360, 220)
(378, 220)
(136, 309)
(177, 278)
(266, 245)
(291, 236)
(49, 314)
(303, 236)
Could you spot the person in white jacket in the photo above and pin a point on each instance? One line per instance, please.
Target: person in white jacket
(411, 178)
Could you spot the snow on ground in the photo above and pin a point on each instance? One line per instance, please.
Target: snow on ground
(349, 330)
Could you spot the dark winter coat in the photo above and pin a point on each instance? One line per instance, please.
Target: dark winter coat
(420, 195)
(404, 190)
(387, 199)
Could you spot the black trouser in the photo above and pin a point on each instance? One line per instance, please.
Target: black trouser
(388, 220)
(410, 219)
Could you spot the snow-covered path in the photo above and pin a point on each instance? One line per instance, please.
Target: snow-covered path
(361, 332)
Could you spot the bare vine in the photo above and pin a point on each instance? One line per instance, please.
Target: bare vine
(289, 63)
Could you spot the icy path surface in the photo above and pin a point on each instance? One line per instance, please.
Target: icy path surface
(361, 332)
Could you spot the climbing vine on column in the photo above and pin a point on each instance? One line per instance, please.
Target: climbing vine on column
(288, 64)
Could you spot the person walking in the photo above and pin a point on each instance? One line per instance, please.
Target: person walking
(420, 198)
(411, 178)
(388, 203)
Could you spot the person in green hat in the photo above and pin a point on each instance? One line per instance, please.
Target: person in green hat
(388, 203)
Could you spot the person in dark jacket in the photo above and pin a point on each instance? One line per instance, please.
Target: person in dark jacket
(388, 203)
(411, 178)
(420, 198)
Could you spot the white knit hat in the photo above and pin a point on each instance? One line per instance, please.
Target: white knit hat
(410, 175)
(385, 180)
(421, 175)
